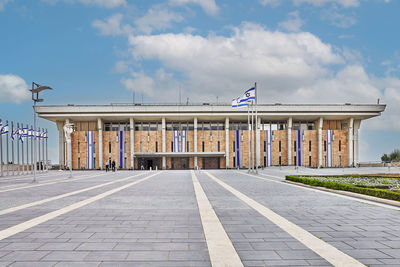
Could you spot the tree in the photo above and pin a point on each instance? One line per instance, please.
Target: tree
(395, 155)
(385, 158)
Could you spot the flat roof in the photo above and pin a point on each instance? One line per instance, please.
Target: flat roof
(207, 112)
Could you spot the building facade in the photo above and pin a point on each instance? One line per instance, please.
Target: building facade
(207, 136)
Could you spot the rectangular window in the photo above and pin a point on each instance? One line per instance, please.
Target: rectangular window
(94, 163)
(280, 160)
(294, 146)
(219, 146)
(279, 148)
(340, 145)
(140, 146)
(309, 145)
(265, 161)
(79, 147)
(94, 147)
(172, 146)
(234, 162)
(79, 163)
(109, 147)
(295, 160)
(187, 146)
(202, 144)
(265, 146)
(325, 145)
(156, 146)
(234, 147)
(309, 161)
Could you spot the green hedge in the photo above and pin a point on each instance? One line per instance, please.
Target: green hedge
(376, 192)
(352, 175)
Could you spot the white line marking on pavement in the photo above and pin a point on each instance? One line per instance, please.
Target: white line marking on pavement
(51, 215)
(39, 202)
(220, 247)
(326, 251)
(324, 192)
(63, 180)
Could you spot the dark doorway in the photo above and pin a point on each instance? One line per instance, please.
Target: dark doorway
(211, 163)
(147, 163)
(179, 163)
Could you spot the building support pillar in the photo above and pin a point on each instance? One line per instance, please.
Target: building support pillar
(61, 145)
(69, 149)
(132, 144)
(289, 141)
(195, 142)
(100, 129)
(356, 127)
(350, 141)
(227, 142)
(320, 125)
(258, 123)
(164, 160)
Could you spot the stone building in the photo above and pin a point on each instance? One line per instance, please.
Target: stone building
(209, 136)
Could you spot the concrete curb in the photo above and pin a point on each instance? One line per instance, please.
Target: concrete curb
(351, 194)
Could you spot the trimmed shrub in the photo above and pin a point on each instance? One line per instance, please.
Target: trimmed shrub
(376, 192)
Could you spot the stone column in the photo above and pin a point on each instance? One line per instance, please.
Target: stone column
(132, 145)
(164, 161)
(356, 127)
(69, 143)
(258, 163)
(289, 141)
(100, 129)
(227, 142)
(61, 151)
(350, 141)
(195, 141)
(320, 125)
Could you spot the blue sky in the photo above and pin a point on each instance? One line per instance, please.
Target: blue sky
(299, 51)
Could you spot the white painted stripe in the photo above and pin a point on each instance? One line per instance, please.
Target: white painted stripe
(52, 182)
(39, 202)
(326, 251)
(51, 215)
(324, 192)
(220, 247)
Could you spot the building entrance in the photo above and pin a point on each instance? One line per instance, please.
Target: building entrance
(211, 163)
(179, 163)
(146, 163)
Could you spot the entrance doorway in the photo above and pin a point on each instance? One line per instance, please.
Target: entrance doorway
(179, 163)
(147, 163)
(211, 163)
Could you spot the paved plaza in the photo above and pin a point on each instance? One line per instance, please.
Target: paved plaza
(191, 218)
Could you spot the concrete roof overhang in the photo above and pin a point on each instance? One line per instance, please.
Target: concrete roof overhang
(273, 112)
(178, 154)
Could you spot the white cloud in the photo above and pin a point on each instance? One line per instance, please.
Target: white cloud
(273, 3)
(344, 3)
(209, 6)
(112, 26)
(339, 19)
(3, 4)
(13, 89)
(104, 3)
(157, 18)
(294, 23)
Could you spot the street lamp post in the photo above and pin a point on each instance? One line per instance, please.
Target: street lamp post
(36, 89)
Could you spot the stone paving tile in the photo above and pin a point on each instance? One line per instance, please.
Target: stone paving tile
(25, 255)
(32, 264)
(66, 256)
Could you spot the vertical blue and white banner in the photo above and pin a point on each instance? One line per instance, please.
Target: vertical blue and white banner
(299, 141)
(90, 149)
(237, 150)
(121, 149)
(269, 150)
(329, 148)
(183, 141)
(176, 141)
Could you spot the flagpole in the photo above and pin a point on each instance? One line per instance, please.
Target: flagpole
(22, 150)
(252, 136)
(47, 159)
(1, 148)
(32, 149)
(255, 89)
(43, 163)
(248, 122)
(8, 165)
(27, 149)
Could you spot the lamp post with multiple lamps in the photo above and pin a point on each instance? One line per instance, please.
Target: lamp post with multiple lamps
(36, 89)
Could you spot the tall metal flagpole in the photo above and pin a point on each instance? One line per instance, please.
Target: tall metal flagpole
(249, 129)
(34, 141)
(8, 165)
(12, 148)
(22, 150)
(47, 152)
(252, 136)
(27, 149)
(32, 131)
(1, 148)
(38, 147)
(43, 162)
(255, 91)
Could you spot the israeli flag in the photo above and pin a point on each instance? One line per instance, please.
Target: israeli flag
(14, 134)
(45, 135)
(4, 129)
(25, 132)
(237, 104)
(37, 133)
(30, 133)
(248, 96)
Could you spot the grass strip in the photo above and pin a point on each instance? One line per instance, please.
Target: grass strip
(376, 192)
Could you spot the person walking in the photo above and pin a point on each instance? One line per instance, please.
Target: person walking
(113, 165)
(107, 166)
